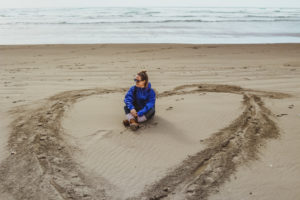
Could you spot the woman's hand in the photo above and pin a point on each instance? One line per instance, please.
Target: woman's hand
(133, 112)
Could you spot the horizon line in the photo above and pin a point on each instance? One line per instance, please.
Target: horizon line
(261, 7)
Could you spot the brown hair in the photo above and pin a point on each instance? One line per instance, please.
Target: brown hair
(144, 77)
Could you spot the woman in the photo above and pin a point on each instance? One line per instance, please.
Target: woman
(140, 102)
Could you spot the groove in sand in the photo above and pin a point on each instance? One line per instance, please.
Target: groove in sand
(42, 167)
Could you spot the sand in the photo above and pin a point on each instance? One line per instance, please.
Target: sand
(129, 160)
(226, 125)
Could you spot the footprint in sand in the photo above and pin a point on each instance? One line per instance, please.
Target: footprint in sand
(99, 134)
(170, 108)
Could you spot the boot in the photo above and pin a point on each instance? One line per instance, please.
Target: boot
(133, 124)
(125, 122)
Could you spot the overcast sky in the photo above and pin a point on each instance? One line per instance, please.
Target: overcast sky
(147, 3)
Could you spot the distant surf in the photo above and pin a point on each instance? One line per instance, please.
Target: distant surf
(149, 25)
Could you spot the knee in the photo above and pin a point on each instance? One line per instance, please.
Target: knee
(150, 113)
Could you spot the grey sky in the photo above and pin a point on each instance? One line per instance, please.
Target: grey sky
(147, 3)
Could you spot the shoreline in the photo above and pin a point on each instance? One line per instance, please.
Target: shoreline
(200, 44)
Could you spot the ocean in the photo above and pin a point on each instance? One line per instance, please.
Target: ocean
(149, 25)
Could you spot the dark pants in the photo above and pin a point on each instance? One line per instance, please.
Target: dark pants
(148, 114)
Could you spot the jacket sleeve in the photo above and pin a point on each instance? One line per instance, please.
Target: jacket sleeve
(150, 103)
(128, 100)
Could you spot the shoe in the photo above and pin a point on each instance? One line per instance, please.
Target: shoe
(125, 122)
(133, 124)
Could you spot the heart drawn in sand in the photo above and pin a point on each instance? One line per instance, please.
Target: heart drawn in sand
(131, 160)
(53, 172)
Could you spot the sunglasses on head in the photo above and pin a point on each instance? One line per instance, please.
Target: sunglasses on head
(136, 80)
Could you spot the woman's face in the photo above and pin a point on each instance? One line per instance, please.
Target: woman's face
(139, 83)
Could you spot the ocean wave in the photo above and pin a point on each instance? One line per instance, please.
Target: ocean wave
(152, 12)
(220, 12)
(267, 16)
(161, 21)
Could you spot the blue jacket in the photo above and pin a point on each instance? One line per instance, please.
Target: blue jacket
(144, 99)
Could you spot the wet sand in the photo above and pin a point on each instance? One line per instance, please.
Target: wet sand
(225, 128)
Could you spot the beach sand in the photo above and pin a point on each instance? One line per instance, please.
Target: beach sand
(226, 126)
